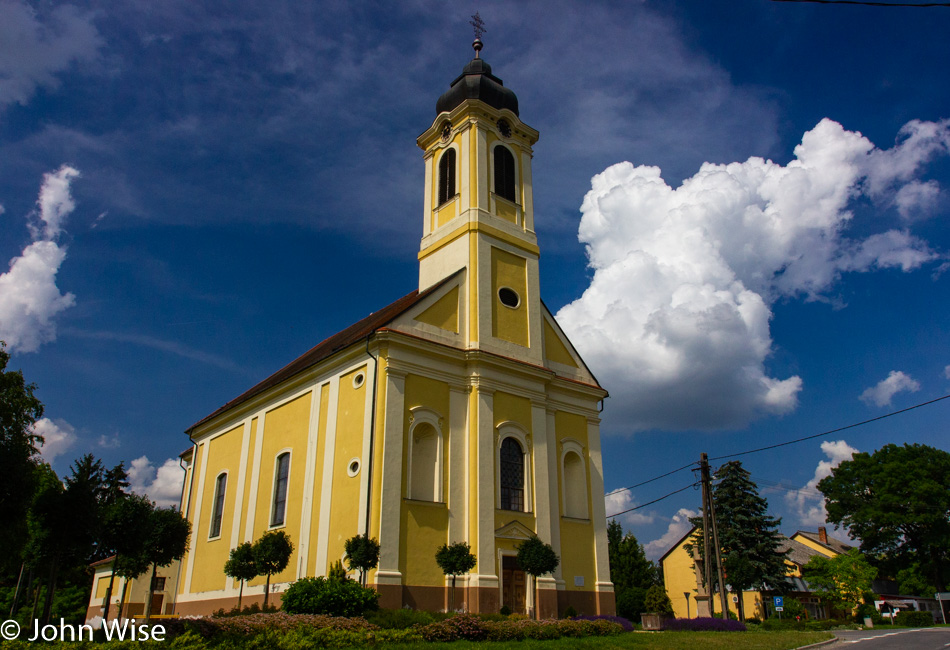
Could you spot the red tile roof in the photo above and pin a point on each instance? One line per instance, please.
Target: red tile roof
(328, 347)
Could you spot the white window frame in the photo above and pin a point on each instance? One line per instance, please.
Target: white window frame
(514, 430)
(423, 415)
(214, 504)
(273, 489)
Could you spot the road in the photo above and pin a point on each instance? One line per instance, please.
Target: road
(930, 638)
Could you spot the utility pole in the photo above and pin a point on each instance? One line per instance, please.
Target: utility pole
(709, 523)
(707, 546)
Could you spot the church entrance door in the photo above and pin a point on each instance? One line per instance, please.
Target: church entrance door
(514, 582)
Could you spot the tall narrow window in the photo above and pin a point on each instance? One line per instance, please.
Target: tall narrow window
(512, 475)
(217, 510)
(447, 176)
(504, 174)
(281, 475)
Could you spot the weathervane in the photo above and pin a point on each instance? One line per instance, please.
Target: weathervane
(479, 26)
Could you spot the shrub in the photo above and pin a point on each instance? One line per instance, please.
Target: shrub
(703, 625)
(914, 619)
(657, 601)
(505, 610)
(619, 620)
(329, 597)
(402, 619)
(631, 602)
(570, 612)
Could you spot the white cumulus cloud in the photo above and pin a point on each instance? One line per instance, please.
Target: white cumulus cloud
(617, 502)
(58, 437)
(884, 391)
(808, 503)
(675, 322)
(679, 526)
(162, 485)
(29, 297)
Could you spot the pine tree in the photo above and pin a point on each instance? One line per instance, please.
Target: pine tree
(748, 535)
(630, 571)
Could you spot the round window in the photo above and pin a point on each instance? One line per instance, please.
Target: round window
(509, 297)
(353, 468)
(358, 380)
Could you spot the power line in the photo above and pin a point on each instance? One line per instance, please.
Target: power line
(780, 444)
(828, 433)
(921, 5)
(649, 503)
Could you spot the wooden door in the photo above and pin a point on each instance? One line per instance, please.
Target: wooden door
(514, 585)
(157, 600)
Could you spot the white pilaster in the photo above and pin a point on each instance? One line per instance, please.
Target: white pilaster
(458, 464)
(391, 480)
(598, 508)
(487, 571)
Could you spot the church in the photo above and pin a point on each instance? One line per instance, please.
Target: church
(460, 412)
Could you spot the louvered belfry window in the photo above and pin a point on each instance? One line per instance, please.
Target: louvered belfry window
(447, 176)
(512, 475)
(504, 164)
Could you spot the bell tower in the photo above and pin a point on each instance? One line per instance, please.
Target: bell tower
(479, 213)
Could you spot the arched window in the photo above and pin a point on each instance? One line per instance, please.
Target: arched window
(217, 509)
(511, 468)
(447, 176)
(504, 164)
(425, 464)
(575, 485)
(281, 478)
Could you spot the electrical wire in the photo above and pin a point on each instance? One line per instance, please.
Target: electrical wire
(649, 503)
(655, 478)
(828, 433)
(867, 3)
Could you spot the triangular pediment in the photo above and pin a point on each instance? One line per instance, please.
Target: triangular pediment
(440, 317)
(559, 352)
(514, 530)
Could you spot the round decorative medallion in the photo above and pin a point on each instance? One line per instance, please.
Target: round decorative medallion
(504, 128)
(446, 131)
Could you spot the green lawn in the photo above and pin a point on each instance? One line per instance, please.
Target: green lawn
(657, 641)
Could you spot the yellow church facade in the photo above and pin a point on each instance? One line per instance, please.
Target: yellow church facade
(460, 412)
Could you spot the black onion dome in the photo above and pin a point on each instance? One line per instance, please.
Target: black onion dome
(477, 82)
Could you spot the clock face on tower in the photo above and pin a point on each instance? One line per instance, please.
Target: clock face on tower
(446, 132)
(504, 128)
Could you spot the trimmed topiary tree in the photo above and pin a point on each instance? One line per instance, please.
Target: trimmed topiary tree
(241, 566)
(362, 552)
(271, 555)
(537, 558)
(657, 601)
(454, 560)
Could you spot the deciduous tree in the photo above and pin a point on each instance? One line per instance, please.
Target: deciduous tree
(897, 502)
(241, 566)
(272, 552)
(454, 560)
(842, 581)
(362, 553)
(537, 558)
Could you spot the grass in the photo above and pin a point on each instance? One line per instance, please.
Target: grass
(651, 641)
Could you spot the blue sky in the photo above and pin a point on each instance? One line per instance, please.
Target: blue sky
(194, 194)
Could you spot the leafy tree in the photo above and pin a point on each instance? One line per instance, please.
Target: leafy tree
(630, 570)
(272, 552)
(362, 552)
(125, 531)
(657, 601)
(19, 411)
(455, 560)
(537, 558)
(842, 580)
(897, 502)
(241, 566)
(748, 536)
(166, 542)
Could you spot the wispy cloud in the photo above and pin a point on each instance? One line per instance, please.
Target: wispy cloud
(620, 501)
(172, 347)
(679, 525)
(162, 485)
(58, 437)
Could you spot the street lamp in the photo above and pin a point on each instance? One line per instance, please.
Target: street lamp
(686, 593)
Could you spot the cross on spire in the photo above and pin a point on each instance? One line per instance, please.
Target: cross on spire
(479, 25)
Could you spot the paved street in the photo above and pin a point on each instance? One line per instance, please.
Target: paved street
(901, 639)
